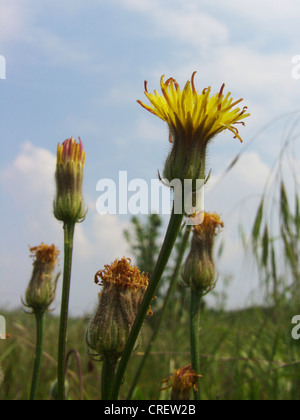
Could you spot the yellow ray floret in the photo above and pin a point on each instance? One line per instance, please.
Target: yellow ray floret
(71, 152)
(198, 115)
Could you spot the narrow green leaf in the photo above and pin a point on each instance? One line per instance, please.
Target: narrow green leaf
(274, 267)
(297, 215)
(289, 251)
(258, 220)
(284, 205)
(242, 236)
(265, 244)
(221, 249)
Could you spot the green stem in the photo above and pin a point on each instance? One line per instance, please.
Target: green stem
(170, 238)
(68, 251)
(108, 377)
(183, 246)
(195, 335)
(79, 369)
(39, 316)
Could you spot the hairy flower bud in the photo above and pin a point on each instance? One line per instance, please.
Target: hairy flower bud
(41, 290)
(199, 269)
(181, 382)
(68, 203)
(123, 290)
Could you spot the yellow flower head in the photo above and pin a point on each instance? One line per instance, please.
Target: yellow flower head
(181, 382)
(196, 115)
(194, 119)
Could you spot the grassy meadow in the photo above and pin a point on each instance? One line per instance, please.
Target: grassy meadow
(245, 355)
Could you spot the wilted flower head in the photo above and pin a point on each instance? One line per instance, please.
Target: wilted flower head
(199, 268)
(41, 290)
(123, 290)
(209, 228)
(68, 203)
(193, 119)
(181, 382)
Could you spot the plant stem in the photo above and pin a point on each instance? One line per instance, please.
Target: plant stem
(39, 316)
(170, 238)
(79, 369)
(68, 250)
(108, 377)
(195, 335)
(172, 285)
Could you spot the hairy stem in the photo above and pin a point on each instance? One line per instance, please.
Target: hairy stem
(108, 377)
(39, 316)
(195, 335)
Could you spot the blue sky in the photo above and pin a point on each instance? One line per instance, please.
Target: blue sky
(77, 68)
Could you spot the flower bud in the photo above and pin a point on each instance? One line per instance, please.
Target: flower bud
(41, 290)
(123, 290)
(68, 203)
(182, 381)
(199, 269)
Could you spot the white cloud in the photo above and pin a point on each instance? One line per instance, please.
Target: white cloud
(181, 21)
(276, 11)
(33, 167)
(102, 233)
